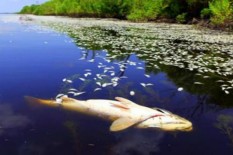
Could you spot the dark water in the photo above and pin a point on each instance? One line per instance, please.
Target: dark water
(36, 61)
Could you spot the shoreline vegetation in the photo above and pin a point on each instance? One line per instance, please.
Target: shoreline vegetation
(217, 14)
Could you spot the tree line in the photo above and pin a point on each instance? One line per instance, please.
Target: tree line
(218, 12)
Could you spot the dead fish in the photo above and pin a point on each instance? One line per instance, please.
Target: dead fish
(122, 112)
(67, 80)
(75, 93)
(96, 89)
(146, 84)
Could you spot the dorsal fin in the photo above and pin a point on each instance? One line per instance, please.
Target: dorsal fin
(120, 105)
(125, 101)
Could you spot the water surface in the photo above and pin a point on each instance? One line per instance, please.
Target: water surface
(44, 60)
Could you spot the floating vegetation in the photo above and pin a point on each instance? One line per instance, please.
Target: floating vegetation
(207, 54)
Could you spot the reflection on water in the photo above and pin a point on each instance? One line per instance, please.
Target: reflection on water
(11, 121)
(138, 143)
(191, 79)
(200, 68)
(224, 123)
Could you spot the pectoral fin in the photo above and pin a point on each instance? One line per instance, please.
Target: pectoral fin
(123, 123)
(127, 122)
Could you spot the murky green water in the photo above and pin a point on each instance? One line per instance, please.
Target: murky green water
(177, 69)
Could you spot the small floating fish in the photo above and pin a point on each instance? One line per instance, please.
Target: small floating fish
(69, 81)
(66, 80)
(75, 93)
(146, 84)
(180, 89)
(92, 60)
(226, 92)
(122, 69)
(112, 74)
(87, 74)
(60, 95)
(97, 89)
(140, 68)
(106, 84)
(199, 83)
(99, 83)
(79, 93)
(82, 79)
(73, 89)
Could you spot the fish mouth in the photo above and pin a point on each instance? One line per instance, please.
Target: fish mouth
(188, 129)
(176, 124)
(177, 127)
(181, 125)
(187, 126)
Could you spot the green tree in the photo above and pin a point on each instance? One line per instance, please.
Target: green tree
(221, 11)
(144, 10)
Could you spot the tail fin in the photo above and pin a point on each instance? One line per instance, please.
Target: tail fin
(36, 101)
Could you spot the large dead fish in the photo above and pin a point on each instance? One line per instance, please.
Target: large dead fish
(123, 112)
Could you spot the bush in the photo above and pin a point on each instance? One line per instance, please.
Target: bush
(137, 16)
(146, 10)
(174, 9)
(205, 13)
(221, 11)
(181, 18)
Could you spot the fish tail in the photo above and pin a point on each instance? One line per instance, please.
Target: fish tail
(36, 101)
